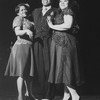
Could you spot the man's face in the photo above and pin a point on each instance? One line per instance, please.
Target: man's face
(46, 2)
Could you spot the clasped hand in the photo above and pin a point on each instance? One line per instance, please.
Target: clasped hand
(29, 33)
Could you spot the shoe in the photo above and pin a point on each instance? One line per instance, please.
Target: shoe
(45, 99)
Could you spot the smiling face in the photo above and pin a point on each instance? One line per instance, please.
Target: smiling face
(46, 2)
(63, 4)
(22, 11)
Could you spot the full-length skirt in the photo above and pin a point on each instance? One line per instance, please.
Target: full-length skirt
(64, 63)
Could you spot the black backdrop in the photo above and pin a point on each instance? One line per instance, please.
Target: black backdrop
(88, 37)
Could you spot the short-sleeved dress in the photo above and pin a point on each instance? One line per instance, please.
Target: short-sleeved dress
(20, 61)
(64, 60)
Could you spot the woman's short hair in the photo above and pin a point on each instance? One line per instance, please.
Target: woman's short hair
(17, 8)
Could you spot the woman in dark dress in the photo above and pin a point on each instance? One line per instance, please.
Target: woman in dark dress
(20, 63)
(64, 61)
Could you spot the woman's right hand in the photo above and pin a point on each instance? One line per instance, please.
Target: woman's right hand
(29, 33)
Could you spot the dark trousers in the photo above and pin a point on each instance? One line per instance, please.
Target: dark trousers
(42, 62)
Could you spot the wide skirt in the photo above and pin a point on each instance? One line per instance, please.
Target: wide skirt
(64, 63)
(20, 61)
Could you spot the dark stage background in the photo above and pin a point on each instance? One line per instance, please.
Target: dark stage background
(88, 37)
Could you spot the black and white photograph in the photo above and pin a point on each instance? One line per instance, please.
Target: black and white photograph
(49, 50)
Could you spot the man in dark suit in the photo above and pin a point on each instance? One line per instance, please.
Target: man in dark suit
(41, 46)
